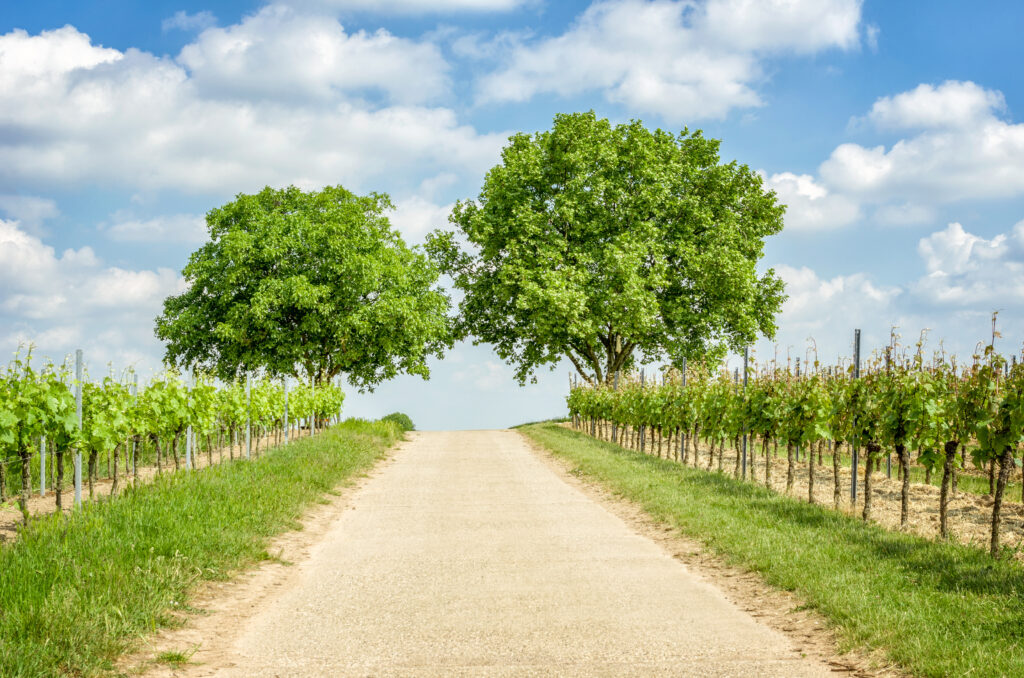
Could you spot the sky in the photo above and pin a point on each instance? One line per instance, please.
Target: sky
(893, 132)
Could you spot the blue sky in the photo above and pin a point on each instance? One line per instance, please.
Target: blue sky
(893, 131)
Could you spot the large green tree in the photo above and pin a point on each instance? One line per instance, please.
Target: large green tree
(604, 244)
(308, 284)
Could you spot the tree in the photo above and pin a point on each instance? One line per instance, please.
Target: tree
(598, 244)
(315, 283)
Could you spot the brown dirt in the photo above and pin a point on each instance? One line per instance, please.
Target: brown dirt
(970, 514)
(10, 513)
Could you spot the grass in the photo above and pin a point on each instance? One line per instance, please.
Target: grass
(936, 609)
(77, 592)
(173, 658)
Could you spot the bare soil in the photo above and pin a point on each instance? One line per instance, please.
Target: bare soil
(970, 515)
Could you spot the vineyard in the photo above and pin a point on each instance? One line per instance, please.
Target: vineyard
(957, 425)
(61, 431)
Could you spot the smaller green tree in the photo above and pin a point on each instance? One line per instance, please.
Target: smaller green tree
(306, 284)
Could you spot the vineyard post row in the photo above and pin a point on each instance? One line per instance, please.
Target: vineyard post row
(189, 438)
(900, 404)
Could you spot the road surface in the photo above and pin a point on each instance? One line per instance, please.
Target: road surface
(467, 555)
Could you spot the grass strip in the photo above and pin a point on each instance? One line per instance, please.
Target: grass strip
(77, 592)
(936, 609)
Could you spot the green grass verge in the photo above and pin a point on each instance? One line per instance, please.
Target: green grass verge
(77, 592)
(937, 609)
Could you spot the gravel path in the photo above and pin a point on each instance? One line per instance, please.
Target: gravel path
(469, 556)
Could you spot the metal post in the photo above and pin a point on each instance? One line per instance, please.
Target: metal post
(188, 431)
(643, 428)
(42, 466)
(615, 425)
(78, 415)
(135, 444)
(856, 447)
(248, 416)
(286, 410)
(798, 376)
(746, 358)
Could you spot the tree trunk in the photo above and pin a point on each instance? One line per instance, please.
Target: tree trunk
(3, 480)
(113, 485)
(947, 474)
(721, 453)
(955, 475)
(870, 448)
(904, 459)
(810, 474)
(209, 450)
(837, 494)
(174, 451)
(1006, 464)
(991, 477)
(736, 446)
(821, 445)
(767, 465)
(93, 454)
(136, 448)
(789, 471)
(26, 481)
(58, 486)
(159, 460)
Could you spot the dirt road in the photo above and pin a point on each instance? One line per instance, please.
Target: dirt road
(467, 555)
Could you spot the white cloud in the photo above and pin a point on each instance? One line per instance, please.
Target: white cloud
(414, 217)
(824, 312)
(951, 104)
(80, 114)
(417, 6)
(802, 26)
(181, 228)
(32, 64)
(965, 269)
(182, 20)
(871, 36)
(29, 210)
(680, 59)
(67, 301)
(809, 205)
(966, 277)
(278, 53)
(487, 376)
(961, 150)
(904, 214)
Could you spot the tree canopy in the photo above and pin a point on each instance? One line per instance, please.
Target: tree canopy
(307, 284)
(602, 244)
